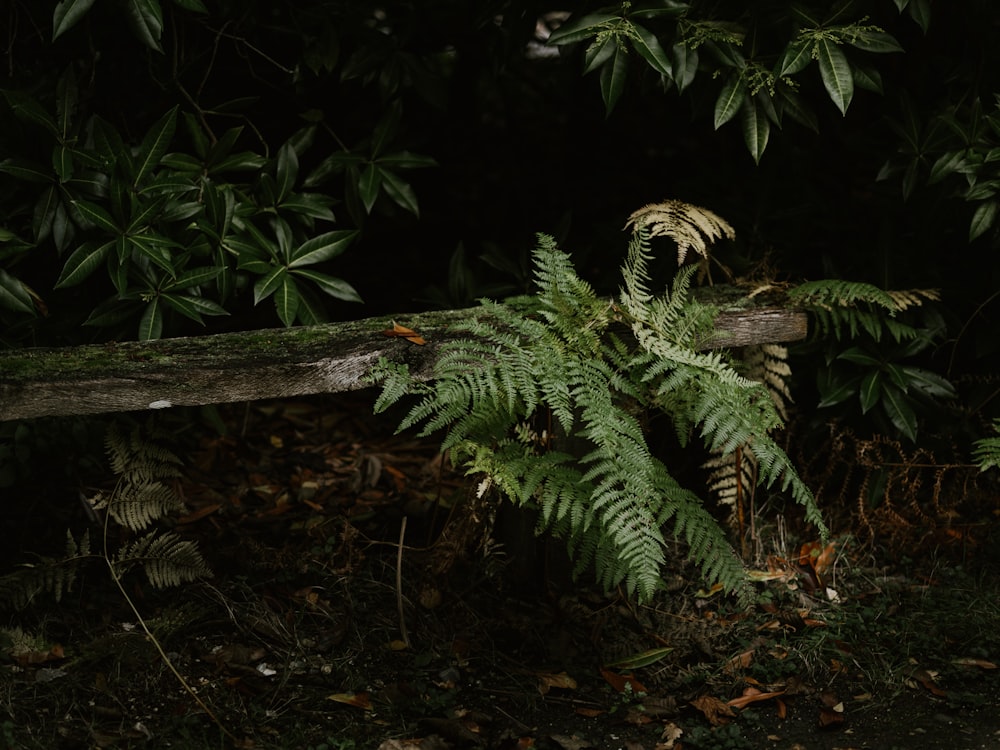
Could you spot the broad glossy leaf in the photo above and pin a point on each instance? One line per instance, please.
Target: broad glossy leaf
(400, 191)
(897, 376)
(983, 219)
(405, 160)
(867, 77)
(44, 214)
(154, 146)
(613, 79)
(286, 301)
(283, 233)
(311, 310)
(143, 214)
(834, 388)
(577, 29)
(871, 390)
(685, 64)
(650, 49)
(920, 11)
(836, 74)
(146, 18)
(14, 295)
(287, 172)
(112, 311)
(195, 6)
(194, 277)
(313, 205)
(266, 286)
(192, 307)
(333, 164)
(797, 56)
(63, 229)
(26, 170)
(859, 356)
(947, 164)
(386, 128)
(107, 141)
(321, 248)
(368, 186)
(981, 191)
(871, 40)
(791, 104)
(67, 98)
(929, 382)
(900, 413)
(730, 99)
(756, 127)
(178, 211)
(330, 285)
(599, 52)
(151, 322)
(97, 216)
(901, 4)
(67, 14)
(154, 248)
(244, 161)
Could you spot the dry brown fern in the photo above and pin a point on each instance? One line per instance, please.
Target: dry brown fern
(691, 227)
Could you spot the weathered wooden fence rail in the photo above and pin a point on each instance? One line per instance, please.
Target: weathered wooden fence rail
(273, 363)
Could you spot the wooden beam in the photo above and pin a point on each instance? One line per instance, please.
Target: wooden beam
(273, 363)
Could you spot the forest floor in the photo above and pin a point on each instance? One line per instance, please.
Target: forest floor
(362, 597)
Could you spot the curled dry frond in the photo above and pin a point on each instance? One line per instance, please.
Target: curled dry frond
(691, 227)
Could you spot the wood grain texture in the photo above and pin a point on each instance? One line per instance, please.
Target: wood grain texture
(275, 363)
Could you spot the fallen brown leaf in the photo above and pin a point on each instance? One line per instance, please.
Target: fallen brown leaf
(715, 710)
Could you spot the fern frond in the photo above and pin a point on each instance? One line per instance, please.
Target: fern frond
(611, 499)
(768, 365)
(166, 559)
(907, 298)
(848, 307)
(395, 380)
(732, 476)
(986, 451)
(50, 576)
(691, 227)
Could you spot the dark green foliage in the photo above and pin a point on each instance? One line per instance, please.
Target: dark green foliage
(609, 497)
(880, 374)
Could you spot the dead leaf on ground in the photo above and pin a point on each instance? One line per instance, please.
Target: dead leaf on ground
(926, 679)
(668, 738)
(753, 695)
(971, 661)
(715, 710)
(623, 682)
(547, 681)
(572, 742)
(406, 333)
(358, 700)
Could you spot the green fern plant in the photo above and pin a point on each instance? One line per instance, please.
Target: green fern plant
(986, 451)
(593, 364)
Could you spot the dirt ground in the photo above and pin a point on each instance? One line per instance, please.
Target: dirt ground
(357, 601)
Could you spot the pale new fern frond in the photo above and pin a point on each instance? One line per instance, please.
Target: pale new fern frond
(691, 227)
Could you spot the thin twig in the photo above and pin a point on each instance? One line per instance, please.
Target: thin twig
(152, 638)
(399, 584)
